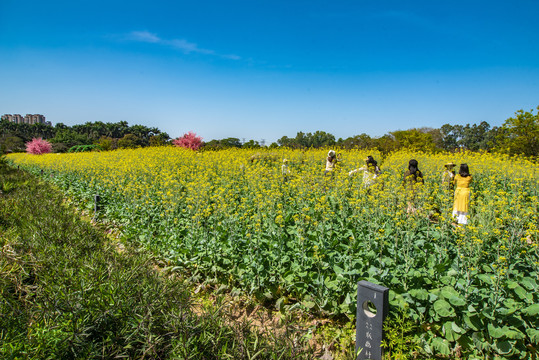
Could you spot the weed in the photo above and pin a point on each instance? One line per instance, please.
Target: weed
(400, 337)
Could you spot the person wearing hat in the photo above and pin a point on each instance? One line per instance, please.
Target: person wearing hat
(448, 176)
(331, 161)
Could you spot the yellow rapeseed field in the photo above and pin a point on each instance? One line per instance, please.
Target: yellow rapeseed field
(303, 239)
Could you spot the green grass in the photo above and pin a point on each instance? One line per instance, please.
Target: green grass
(66, 292)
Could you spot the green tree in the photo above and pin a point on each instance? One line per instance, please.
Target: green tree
(251, 144)
(362, 141)
(129, 141)
(520, 134)
(414, 139)
(11, 144)
(107, 143)
(450, 136)
(307, 140)
(386, 143)
(320, 139)
(144, 133)
(477, 137)
(70, 138)
(159, 140)
(230, 142)
(222, 144)
(286, 141)
(436, 135)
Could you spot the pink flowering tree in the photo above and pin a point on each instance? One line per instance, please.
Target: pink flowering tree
(189, 141)
(38, 146)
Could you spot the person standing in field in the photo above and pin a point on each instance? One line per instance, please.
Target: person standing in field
(413, 175)
(462, 195)
(412, 178)
(331, 162)
(285, 171)
(448, 176)
(370, 171)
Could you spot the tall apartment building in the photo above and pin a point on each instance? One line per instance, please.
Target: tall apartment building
(28, 119)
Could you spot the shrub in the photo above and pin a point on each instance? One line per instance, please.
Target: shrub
(107, 143)
(59, 147)
(38, 147)
(84, 148)
(189, 141)
(129, 141)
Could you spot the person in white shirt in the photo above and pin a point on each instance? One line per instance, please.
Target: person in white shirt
(370, 171)
(331, 162)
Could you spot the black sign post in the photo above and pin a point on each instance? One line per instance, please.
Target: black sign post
(372, 308)
(97, 198)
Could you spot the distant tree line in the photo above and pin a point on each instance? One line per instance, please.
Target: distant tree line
(107, 136)
(517, 135)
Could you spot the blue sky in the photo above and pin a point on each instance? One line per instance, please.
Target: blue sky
(264, 69)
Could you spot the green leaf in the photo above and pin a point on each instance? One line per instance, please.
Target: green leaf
(447, 280)
(279, 303)
(348, 299)
(309, 304)
(398, 301)
(440, 346)
(514, 334)
(452, 272)
(473, 322)
(531, 310)
(466, 342)
(533, 334)
(450, 334)
(443, 308)
(504, 347)
(511, 284)
(521, 293)
(529, 283)
(495, 332)
(289, 277)
(506, 311)
(448, 291)
(420, 294)
(331, 284)
(338, 270)
(485, 278)
(487, 312)
(457, 328)
(457, 300)
(506, 332)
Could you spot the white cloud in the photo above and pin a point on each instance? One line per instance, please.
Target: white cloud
(187, 47)
(144, 36)
(231, 57)
(178, 44)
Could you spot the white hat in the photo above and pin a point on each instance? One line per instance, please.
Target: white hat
(331, 153)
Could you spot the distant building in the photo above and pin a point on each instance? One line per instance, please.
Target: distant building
(28, 119)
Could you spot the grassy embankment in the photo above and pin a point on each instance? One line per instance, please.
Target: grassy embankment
(66, 292)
